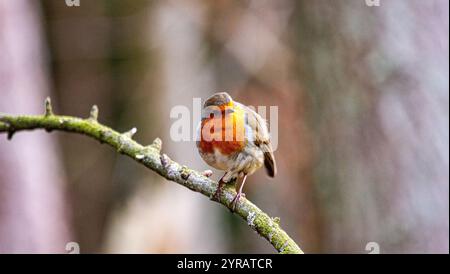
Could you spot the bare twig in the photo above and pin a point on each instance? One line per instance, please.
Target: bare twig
(151, 157)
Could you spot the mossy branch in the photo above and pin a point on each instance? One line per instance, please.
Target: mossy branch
(151, 157)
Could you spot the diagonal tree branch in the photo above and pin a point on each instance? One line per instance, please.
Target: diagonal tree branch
(151, 157)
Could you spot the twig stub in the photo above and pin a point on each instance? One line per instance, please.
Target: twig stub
(93, 115)
(130, 133)
(48, 107)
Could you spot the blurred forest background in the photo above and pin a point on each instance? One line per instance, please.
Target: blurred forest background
(363, 96)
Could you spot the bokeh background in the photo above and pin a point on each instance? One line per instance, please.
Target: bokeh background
(363, 97)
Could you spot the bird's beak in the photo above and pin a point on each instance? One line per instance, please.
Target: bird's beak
(229, 110)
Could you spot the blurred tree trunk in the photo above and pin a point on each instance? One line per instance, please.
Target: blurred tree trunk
(377, 79)
(170, 219)
(80, 47)
(33, 215)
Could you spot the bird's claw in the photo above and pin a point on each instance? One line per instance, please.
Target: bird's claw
(235, 201)
(216, 196)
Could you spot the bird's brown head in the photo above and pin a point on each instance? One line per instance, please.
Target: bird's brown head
(218, 99)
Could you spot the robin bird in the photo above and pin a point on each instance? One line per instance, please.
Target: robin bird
(234, 138)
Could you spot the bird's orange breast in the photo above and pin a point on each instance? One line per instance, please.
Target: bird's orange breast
(225, 133)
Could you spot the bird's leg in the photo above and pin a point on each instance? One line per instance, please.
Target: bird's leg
(216, 196)
(239, 194)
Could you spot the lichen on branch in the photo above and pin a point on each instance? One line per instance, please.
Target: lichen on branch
(151, 157)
